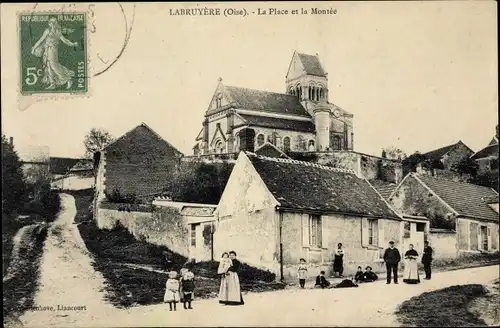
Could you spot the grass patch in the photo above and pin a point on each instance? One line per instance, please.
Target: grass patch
(127, 286)
(446, 307)
(19, 288)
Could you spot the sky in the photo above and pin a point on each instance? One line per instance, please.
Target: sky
(415, 75)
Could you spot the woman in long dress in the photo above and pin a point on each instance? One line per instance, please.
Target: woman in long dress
(224, 264)
(54, 74)
(411, 275)
(233, 295)
(338, 261)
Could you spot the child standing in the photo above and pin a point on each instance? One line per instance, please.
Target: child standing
(302, 272)
(172, 290)
(187, 287)
(224, 264)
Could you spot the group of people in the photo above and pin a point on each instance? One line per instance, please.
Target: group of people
(182, 289)
(392, 258)
(179, 290)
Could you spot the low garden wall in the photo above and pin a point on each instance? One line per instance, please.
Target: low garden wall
(157, 225)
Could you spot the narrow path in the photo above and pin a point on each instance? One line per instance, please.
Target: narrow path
(67, 277)
(16, 241)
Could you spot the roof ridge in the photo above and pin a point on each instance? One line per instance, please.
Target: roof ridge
(294, 161)
(278, 93)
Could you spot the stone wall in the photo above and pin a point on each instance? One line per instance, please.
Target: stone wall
(469, 235)
(371, 167)
(252, 235)
(444, 244)
(161, 226)
(457, 154)
(337, 229)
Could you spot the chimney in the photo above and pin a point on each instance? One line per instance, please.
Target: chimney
(11, 141)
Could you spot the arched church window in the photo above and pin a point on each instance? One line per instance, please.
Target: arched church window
(310, 93)
(219, 147)
(236, 142)
(299, 88)
(310, 146)
(260, 139)
(286, 143)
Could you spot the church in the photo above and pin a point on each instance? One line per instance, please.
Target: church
(301, 119)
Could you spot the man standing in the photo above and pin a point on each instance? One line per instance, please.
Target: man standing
(427, 260)
(391, 259)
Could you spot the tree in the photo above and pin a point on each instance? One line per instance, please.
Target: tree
(13, 183)
(96, 140)
(466, 166)
(393, 153)
(198, 182)
(410, 163)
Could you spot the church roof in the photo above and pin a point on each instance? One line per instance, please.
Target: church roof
(266, 101)
(278, 123)
(303, 186)
(311, 64)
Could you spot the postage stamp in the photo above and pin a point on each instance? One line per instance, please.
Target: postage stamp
(53, 53)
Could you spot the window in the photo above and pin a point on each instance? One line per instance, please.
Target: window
(407, 230)
(373, 232)
(218, 100)
(484, 237)
(237, 142)
(286, 143)
(260, 140)
(336, 143)
(315, 231)
(219, 147)
(420, 227)
(193, 234)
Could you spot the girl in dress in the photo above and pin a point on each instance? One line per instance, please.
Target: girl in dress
(172, 291)
(411, 275)
(302, 272)
(338, 262)
(225, 263)
(187, 287)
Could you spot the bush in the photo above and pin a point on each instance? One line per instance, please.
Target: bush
(247, 274)
(116, 196)
(44, 201)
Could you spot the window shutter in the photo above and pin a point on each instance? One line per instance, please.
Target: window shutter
(489, 238)
(479, 238)
(364, 232)
(305, 230)
(324, 232)
(381, 237)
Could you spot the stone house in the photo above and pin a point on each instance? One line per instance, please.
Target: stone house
(275, 211)
(467, 210)
(449, 155)
(140, 163)
(487, 158)
(200, 220)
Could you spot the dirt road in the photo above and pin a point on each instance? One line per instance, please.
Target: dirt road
(68, 279)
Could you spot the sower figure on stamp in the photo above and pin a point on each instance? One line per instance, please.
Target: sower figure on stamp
(427, 260)
(46, 47)
(392, 259)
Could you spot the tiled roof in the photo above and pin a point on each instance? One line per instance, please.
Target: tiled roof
(83, 165)
(62, 165)
(279, 123)
(270, 150)
(311, 64)
(491, 150)
(266, 101)
(198, 211)
(465, 198)
(385, 189)
(304, 186)
(438, 153)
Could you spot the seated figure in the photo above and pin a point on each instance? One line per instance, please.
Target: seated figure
(359, 277)
(321, 281)
(369, 275)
